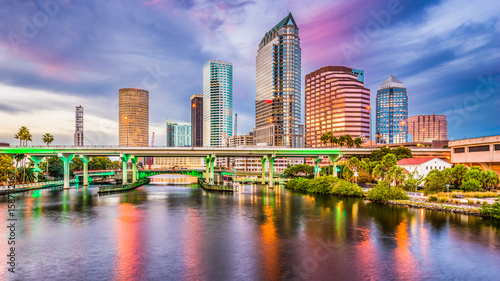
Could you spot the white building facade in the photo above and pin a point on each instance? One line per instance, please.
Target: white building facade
(423, 165)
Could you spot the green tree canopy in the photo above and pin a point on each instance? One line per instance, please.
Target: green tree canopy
(6, 167)
(300, 170)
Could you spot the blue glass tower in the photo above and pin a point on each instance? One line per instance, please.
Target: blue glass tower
(392, 112)
(217, 103)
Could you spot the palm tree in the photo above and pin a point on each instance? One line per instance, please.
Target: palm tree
(325, 138)
(48, 138)
(334, 140)
(21, 134)
(341, 141)
(349, 141)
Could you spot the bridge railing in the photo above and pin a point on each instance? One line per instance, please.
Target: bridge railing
(36, 184)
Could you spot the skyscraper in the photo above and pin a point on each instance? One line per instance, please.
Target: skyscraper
(278, 78)
(336, 101)
(425, 128)
(133, 114)
(178, 135)
(197, 120)
(78, 126)
(217, 103)
(392, 112)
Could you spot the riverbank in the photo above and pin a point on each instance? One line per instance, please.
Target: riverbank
(422, 204)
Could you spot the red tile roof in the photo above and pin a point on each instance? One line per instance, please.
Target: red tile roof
(414, 161)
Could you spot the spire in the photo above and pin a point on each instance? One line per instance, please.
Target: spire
(288, 20)
(392, 82)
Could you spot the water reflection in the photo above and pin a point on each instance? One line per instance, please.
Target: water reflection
(181, 232)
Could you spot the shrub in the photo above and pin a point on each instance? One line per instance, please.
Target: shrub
(470, 201)
(443, 200)
(321, 184)
(345, 188)
(432, 198)
(298, 184)
(492, 210)
(472, 184)
(384, 192)
(456, 201)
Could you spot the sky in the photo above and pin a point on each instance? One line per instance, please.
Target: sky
(57, 54)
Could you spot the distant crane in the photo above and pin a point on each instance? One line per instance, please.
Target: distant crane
(150, 160)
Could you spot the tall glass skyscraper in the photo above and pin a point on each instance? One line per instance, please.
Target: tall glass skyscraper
(178, 135)
(217, 103)
(392, 112)
(197, 120)
(277, 103)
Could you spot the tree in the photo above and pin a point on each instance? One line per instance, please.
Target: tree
(76, 164)
(396, 175)
(377, 154)
(490, 180)
(353, 165)
(458, 174)
(349, 142)
(436, 181)
(334, 140)
(56, 167)
(475, 177)
(300, 170)
(6, 167)
(341, 141)
(100, 163)
(325, 138)
(47, 138)
(402, 152)
(381, 169)
(358, 142)
(115, 165)
(347, 174)
(383, 191)
(413, 180)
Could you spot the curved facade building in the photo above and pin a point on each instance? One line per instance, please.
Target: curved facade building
(336, 101)
(133, 116)
(278, 78)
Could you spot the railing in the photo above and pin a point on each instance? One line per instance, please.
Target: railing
(415, 194)
(37, 184)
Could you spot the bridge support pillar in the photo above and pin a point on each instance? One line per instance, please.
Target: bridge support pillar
(263, 160)
(124, 158)
(85, 161)
(212, 164)
(66, 158)
(207, 168)
(334, 159)
(271, 158)
(316, 161)
(36, 160)
(133, 159)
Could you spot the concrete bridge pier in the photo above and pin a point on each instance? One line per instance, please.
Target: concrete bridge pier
(124, 158)
(263, 161)
(85, 161)
(36, 160)
(209, 167)
(334, 159)
(66, 158)
(133, 159)
(271, 158)
(316, 161)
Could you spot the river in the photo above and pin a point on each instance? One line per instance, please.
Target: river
(185, 233)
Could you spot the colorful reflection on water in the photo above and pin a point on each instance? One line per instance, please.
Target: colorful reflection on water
(185, 233)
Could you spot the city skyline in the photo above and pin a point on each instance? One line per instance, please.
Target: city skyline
(62, 63)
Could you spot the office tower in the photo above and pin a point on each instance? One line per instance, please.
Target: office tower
(178, 135)
(78, 139)
(392, 112)
(240, 140)
(197, 120)
(217, 103)
(426, 128)
(133, 114)
(278, 78)
(336, 101)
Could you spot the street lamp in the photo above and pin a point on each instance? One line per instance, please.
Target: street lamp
(126, 119)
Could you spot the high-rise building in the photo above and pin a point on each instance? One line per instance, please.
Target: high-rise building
(178, 135)
(278, 80)
(239, 140)
(392, 112)
(197, 120)
(79, 126)
(133, 114)
(336, 101)
(426, 128)
(217, 103)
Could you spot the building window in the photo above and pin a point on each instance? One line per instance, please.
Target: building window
(497, 146)
(459, 150)
(479, 148)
